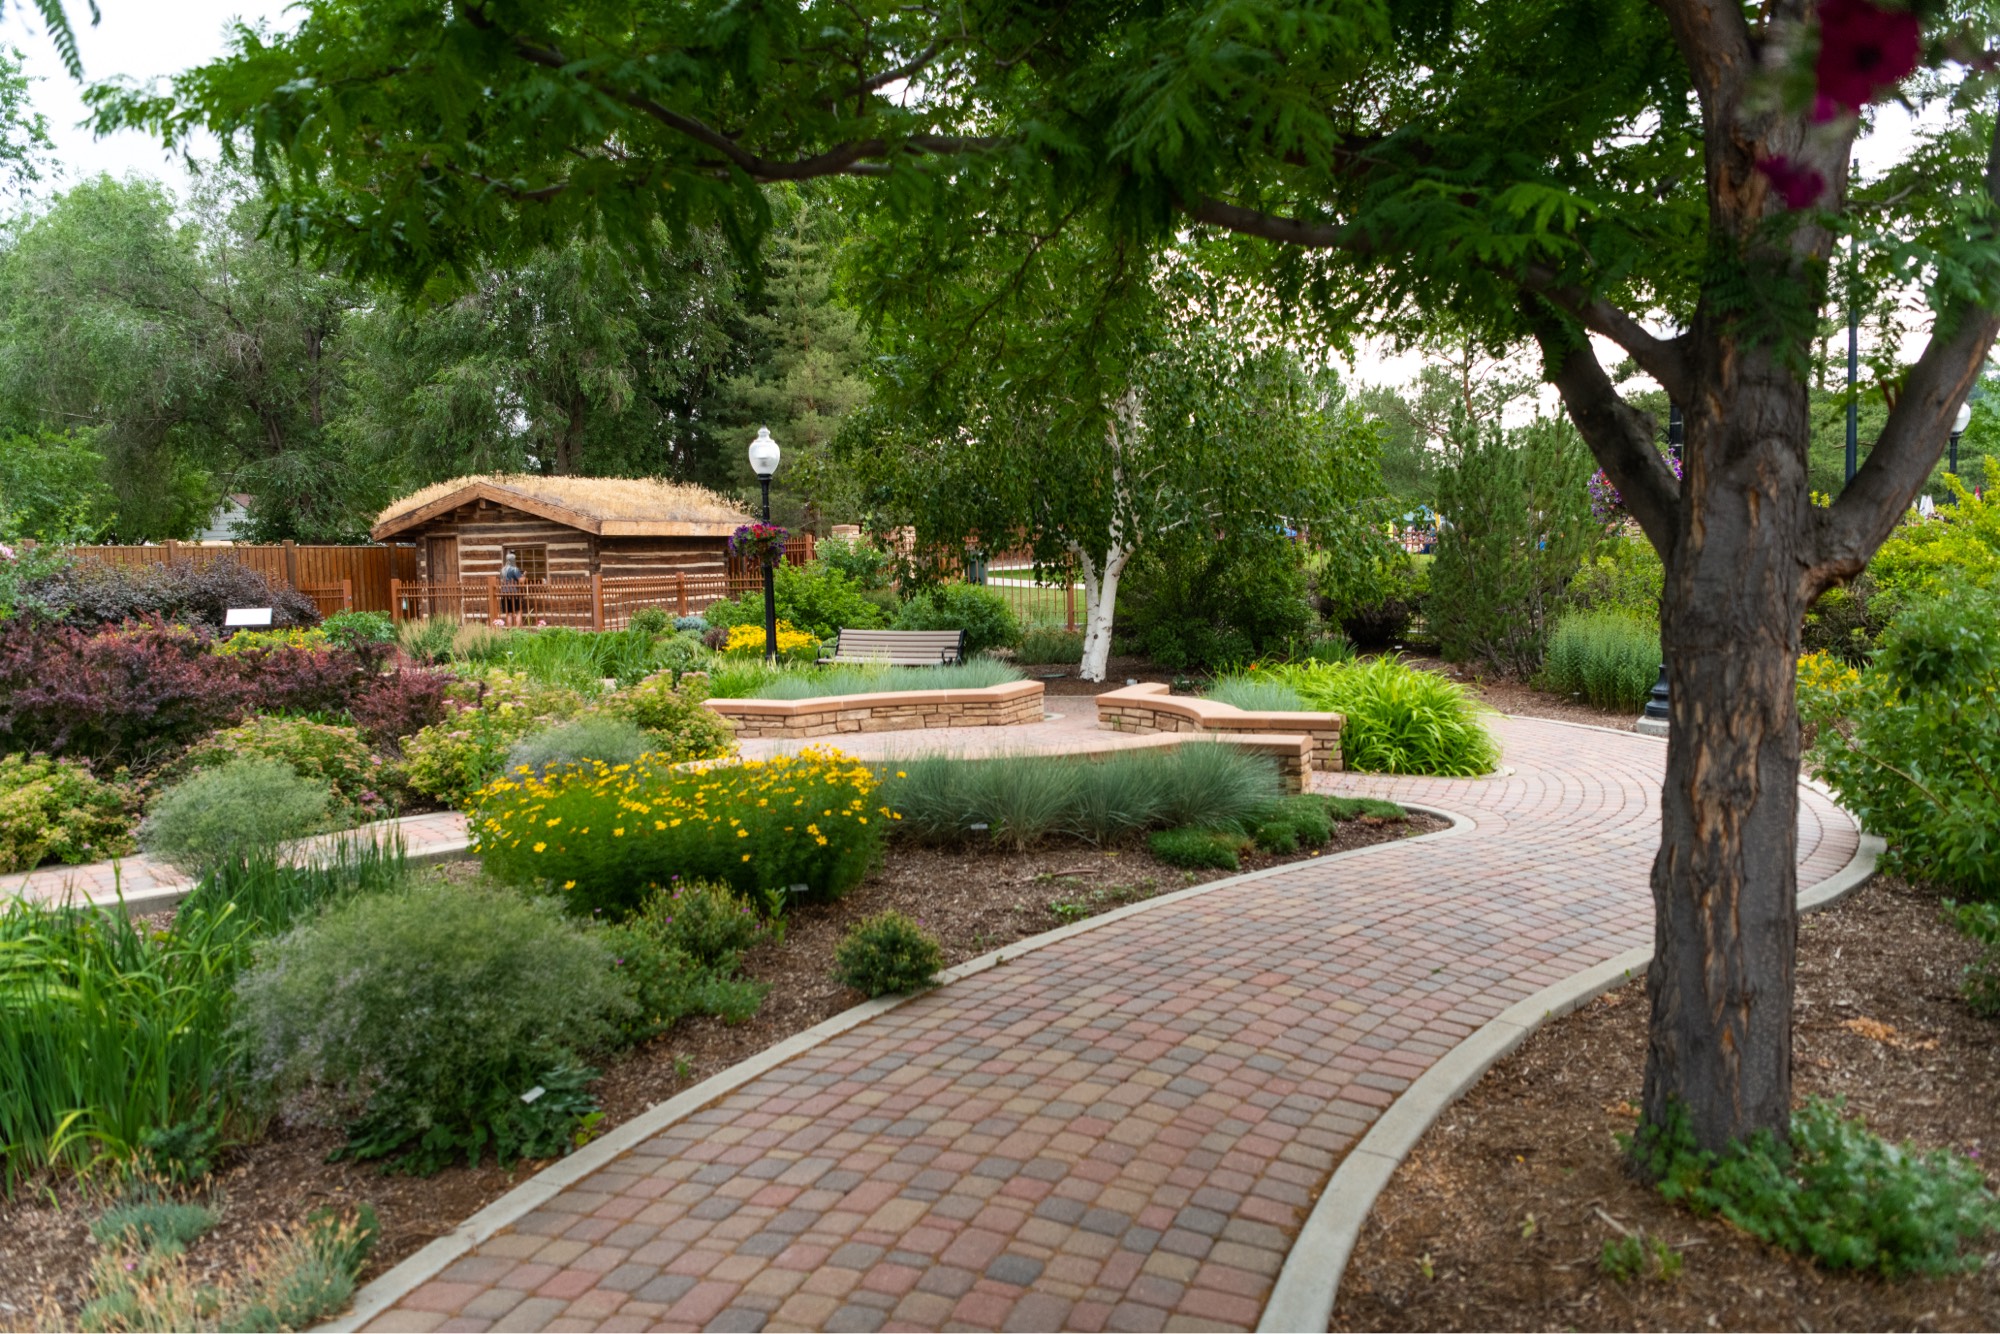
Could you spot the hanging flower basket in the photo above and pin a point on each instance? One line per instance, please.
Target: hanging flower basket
(759, 543)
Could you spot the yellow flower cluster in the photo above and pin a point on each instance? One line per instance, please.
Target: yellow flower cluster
(245, 640)
(810, 795)
(750, 639)
(1821, 671)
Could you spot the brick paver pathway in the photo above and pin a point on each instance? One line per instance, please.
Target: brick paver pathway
(428, 837)
(1123, 1129)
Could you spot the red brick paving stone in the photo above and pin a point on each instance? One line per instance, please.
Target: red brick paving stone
(1123, 1130)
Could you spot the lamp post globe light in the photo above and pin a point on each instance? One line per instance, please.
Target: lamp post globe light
(764, 460)
(1958, 425)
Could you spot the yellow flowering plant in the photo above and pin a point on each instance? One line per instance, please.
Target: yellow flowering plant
(243, 641)
(749, 639)
(604, 835)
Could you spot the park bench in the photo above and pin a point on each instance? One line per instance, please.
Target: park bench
(899, 648)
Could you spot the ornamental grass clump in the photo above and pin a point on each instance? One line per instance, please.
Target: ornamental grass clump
(1256, 694)
(1399, 720)
(602, 835)
(592, 738)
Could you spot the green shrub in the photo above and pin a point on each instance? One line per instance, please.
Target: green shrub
(1625, 576)
(593, 737)
(1193, 602)
(1022, 799)
(675, 723)
(604, 839)
(1836, 1193)
(54, 811)
(1355, 808)
(816, 599)
(426, 1016)
(705, 920)
(1399, 720)
(1981, 984)
(984, 615)
(1607, 657)
(1050, 644)
(1373, 596)
(1955, 549)
(1285, 826)
(1847, 622)
(1518, 525)
(1196, 849)
(1637, 1256)
(1256, 694)
(887, 954)
(1331, 647)
(334, 757)
(358, 629)
(652, 621)
(450, 760)
(681, 953)
(866, 566)
(151, 1222)
(238, 812)
(1914, 741)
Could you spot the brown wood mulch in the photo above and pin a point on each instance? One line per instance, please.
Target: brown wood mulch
(1498, 1218)
(974, 901)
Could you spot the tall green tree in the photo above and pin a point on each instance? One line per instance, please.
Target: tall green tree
(1547, 169)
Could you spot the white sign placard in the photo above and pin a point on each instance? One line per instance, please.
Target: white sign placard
(246, 618)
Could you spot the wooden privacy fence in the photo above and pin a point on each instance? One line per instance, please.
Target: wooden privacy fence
(337, 578)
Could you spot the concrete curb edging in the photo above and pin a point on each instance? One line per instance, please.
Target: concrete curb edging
(428, 1262)
(1309, 1282)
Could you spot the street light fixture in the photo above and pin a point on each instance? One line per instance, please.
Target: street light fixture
(764, 460)
(1958, 425)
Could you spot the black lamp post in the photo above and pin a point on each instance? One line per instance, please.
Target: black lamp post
(764, 458)
(1958, 425)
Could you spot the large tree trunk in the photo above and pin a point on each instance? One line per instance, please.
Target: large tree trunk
(1100, 602)
(1724, 882)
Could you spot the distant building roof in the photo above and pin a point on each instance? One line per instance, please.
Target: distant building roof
(606, 506)
(225, 523)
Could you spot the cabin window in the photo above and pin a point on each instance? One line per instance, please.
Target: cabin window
(533, 561)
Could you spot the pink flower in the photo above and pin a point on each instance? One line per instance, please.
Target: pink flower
(1864, 51)
(1798, 185)
(499, 622)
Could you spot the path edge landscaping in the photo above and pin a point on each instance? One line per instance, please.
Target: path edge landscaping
(1309, 1283)
(426, 1263)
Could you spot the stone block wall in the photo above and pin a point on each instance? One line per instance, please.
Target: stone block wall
(1154, 708)
(1013, 704)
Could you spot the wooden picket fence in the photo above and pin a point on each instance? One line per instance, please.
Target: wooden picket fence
(592, 603)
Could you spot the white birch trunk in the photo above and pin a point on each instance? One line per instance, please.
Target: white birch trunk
(1100, 601)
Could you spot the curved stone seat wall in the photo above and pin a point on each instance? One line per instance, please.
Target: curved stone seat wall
(1009, 705)
(1154, 708)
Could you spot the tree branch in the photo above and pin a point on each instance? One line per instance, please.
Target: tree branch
(1619, 435)
(1715, 41)
(1271, 227)
(1665, 359)
(1913, 437)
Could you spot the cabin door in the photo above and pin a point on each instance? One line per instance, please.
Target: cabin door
(441, 565)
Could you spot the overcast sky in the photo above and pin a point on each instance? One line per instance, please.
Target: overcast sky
(144, 40)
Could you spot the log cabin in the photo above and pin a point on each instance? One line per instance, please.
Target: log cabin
(562, 528)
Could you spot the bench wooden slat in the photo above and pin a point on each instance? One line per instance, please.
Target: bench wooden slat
(899, 648)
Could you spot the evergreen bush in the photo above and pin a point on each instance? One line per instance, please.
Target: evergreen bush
(987, 620)
(887, 954)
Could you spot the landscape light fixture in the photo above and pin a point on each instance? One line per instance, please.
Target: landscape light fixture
(1958, 425)
(764, 459)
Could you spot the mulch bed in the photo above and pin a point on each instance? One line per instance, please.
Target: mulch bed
(974, 901)
(1497, 1219)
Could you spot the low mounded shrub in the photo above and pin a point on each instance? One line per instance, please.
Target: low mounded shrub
(243, 810)
(244, 641)
(1365, 808)
(54, 811)
(1197, 849)
(358, 629)
(591, 738)
(887, 954)
(651, 621)
(88, 594)
(1911, 743)
(453, 758)
(984, 615)
(1399, 720)
(603, 839)
(399, 704)
(424, 1018)
(129, 695)
(1836, 1193)
(673, 719)
(331, 757)
(1609, 658)
(1046, 644)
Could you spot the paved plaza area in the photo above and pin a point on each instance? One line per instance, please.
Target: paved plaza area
(1123, 1128)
